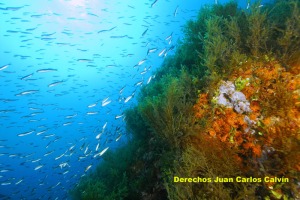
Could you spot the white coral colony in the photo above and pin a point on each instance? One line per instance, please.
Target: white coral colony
(229, 97)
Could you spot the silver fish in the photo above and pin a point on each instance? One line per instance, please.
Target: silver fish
(118, 138)
(99, 135)
(149, 79)
(142, 61)
(27, 92)
(19, 181)
(128, 98)
(154, 3)
(24, 134)
(151, 50)
(4, 67)
(138, 83)
(48, 153)
(27, 76)
(55, 83)
(97, 147)
(87, 168)
(144, 32)
(92, 113)
(169, 37)
(38, 167)
(101, 153)
(36, 160)
(104, 126)
(6, 183)
(92, 105)
(119, 116)
(46, 70)
(106, 103)
(176, 11)
(162, 52)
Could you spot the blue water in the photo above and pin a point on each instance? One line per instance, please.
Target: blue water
(59, 61)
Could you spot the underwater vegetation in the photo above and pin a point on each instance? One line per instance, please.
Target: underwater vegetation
(226, 104)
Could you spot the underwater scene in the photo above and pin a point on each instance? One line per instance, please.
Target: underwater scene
(149, 100)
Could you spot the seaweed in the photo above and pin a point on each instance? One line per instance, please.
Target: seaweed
(168, 113)
(207, 158)
(258, 30)
(285, 28)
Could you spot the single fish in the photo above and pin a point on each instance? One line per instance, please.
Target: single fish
(38, 167)
(4, 67)
(97, 147)
(55, 83)
(119, 116)
(92, 113)
(162, 52)
(58, 157)
(144, 71)
(48, 153)
(71, 116)
(19, 181)
(149, 80)
(101, 153)
(121, 90)
(67, 123)
(24, 134)
(138, 83)
(144, 32)
(154, 3)
(169, 37)
(105, 99)
(5, 170)
(27, 92)
(46, 70)
(142, 61)
(176, 11)
(84, 60)
(72, 147)
(118, 138)
(47, 34)
(92, 105)
(6, 183)
(99, 135)
(120, 36)
(107, 30)
(86, 149)
(128, 98)
(27, 76)
(14, 8)
(41, 132)
(104, 126)
(106, 103)
(87, 168)
(151, 50)
(34, 161)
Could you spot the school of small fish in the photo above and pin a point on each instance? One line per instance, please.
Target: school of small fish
(68, 71)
